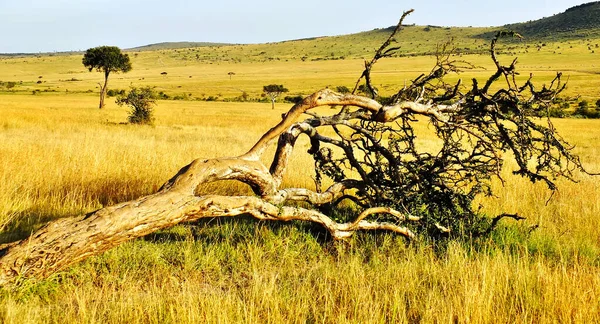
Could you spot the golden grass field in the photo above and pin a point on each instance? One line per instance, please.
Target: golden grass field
(61, 156)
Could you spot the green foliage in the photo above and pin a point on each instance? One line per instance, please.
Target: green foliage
(8, 85)
(163, 95)
(363, 89)
(106, 59)
(141, 101)
(583, 110)
(293, 99)
(557, 111)
(274, 91)
(115, 92)
(342, 89)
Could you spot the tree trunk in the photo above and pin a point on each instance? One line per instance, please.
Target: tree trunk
(103, 89)
(273, 103)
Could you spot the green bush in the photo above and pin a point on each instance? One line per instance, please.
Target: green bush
(115, 92)
(342, 89)
(163, 95)
(293, 99)
(141, 101)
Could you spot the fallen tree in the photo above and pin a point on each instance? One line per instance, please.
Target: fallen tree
(365, 153)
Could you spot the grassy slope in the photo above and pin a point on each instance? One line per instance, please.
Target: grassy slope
(204, 77)
(579, 22)
(306, 65)
(173, 45)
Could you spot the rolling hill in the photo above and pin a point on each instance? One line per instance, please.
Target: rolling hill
(582, 21)
(576, 23)
(174, 45)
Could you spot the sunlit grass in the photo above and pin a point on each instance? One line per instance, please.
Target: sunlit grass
(61, 156)
(207, 74)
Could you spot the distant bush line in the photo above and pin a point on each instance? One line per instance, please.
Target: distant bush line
(561, 108)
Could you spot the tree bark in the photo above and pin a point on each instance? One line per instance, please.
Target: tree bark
(103, 89)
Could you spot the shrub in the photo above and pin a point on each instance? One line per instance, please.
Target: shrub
(557, 111)
(115, 92)
(582, 108)
(366, 91)
(293, 99)
(342, 89)
(141, 101)
(163, 95)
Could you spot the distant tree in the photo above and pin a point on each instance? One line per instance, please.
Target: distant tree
(141, 101)
(598, 104)
(10, 84)
(230, 74)
(106, 59)
(274, 91)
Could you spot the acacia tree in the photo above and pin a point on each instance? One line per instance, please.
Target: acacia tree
(274, 91)
(106, 59)
(365, 153)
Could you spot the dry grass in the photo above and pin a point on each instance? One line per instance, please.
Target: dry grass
(60, 156)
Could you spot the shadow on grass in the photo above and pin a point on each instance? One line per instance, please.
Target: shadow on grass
(25, 223)
(104, 192)
(243, 228)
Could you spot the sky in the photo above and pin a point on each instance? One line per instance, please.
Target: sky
(31, 26)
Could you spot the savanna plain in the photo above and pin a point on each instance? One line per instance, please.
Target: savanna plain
(62, 156)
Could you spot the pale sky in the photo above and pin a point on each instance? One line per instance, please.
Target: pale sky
(30, 26)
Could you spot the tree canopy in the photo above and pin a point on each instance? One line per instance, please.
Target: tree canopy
(274, 91)
(106, 59)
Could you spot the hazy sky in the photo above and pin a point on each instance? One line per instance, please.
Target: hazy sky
(64, 25)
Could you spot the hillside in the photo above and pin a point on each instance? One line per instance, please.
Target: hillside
(578, 22)
(173, 45)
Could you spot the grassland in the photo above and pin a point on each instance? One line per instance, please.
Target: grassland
(207, 76)
(61, 156)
